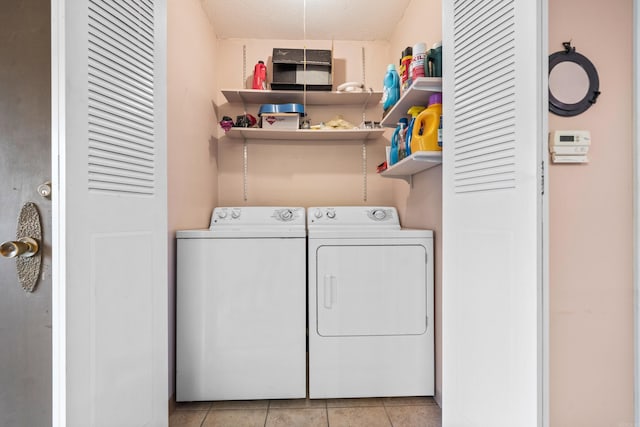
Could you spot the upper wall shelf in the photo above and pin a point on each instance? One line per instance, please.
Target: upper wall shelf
(417, 94)
(253, 96)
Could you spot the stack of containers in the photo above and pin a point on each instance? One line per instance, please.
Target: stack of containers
(424, 131)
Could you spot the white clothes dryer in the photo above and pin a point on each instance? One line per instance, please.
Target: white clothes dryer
(371, 321)
(241, 306)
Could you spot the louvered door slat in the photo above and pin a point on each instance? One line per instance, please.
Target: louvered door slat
(484, 97)
(121, 98)
(131, 96)
(125, 22)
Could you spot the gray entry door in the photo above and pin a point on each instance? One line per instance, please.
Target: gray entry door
(25, 163)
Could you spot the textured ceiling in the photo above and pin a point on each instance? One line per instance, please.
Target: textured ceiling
(325, 19)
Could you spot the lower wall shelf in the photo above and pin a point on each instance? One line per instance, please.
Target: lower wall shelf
(305, 135)
(417, 162)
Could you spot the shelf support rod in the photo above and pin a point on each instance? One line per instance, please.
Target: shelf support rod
(245, 169)
(244, 66)
(364, 170)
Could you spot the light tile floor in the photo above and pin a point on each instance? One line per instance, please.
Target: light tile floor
(374, 412)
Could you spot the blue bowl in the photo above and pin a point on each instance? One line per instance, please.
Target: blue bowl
(281, 108)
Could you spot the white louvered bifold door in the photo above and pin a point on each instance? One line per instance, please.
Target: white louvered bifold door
(110, 213)
(494, 125)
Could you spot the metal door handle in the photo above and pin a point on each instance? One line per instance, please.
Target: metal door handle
(24, 247)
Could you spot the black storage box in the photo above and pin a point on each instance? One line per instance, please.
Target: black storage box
(289, 72)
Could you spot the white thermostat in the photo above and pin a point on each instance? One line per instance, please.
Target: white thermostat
(569, 146)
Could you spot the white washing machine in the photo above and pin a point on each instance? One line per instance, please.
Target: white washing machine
(241, 306)
(371, 321)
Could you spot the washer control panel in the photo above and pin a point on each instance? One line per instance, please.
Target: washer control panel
(257, 216)
(353, 216)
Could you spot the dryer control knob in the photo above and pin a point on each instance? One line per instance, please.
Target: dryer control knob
(318, 213)
(331, 214)
(379, 214)
(286, 215)
(222, 214)
(235, 214)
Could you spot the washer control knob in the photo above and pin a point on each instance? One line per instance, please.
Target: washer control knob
(318, 213)
(379, 214)
(235, 214)
(222, 214)
(331, 214)
(286, 215)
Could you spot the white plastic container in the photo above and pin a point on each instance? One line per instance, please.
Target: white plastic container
(281, 121)
(418, 60)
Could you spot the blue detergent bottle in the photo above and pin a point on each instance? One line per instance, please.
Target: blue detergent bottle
(395, 142)
(391, 92)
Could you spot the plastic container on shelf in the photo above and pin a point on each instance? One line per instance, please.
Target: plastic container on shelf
(418, 60)
(391, 92)
(402, 142)
(395, 141)
(426, 134)
(405, 68)
(260, 76)
(433, 64)
(414, 111)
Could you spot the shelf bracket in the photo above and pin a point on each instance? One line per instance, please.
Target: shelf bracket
(406, 178)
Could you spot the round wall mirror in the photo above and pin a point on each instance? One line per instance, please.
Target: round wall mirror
(573, 82)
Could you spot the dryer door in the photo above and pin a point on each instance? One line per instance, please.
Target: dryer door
(371, 290)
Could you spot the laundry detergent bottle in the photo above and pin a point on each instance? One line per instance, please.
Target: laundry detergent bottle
(427, 129)
(395, 139)
(414, 111)
(391, 92)
(402, 142)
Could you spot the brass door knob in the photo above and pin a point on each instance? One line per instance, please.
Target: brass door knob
(24, 247)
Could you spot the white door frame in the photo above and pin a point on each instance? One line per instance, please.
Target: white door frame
(58, 296)
(636, 205)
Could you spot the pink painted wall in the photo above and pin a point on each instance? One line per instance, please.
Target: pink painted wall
(192, 147)
(591, 250)
(421, 206)
(299, 173)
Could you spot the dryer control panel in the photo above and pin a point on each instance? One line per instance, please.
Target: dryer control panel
(353, 216)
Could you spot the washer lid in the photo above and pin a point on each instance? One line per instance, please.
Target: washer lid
(246, 233)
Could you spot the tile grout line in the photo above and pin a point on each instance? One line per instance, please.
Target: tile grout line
(326, 411)
(206, 415)
(387, 413)
(266, 415)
